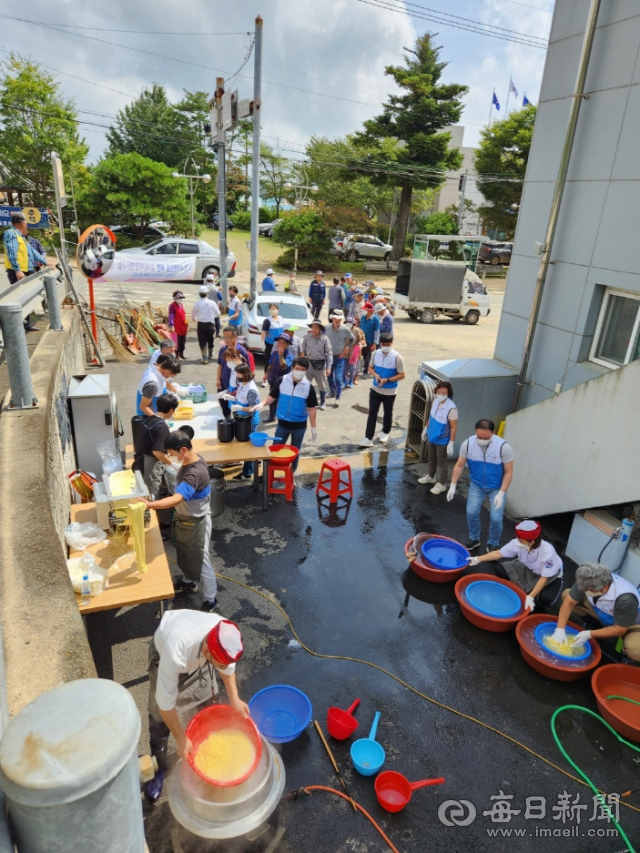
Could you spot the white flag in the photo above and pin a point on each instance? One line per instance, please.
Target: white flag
(128, 266)
(512, 87)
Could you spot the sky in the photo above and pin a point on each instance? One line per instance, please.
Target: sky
(323, 60)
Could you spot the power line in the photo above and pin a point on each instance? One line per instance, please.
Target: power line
(526, 41)
(149, 32)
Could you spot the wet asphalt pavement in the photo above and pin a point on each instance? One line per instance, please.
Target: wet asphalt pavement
(343, 580)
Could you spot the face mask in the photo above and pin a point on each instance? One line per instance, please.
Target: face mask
(385, 350)
(523, 544)
(299, 374)
(353, 287)
(441, 396)
(273, 312)
(483, 442)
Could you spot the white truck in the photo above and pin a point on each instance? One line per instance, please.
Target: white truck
(426, 289)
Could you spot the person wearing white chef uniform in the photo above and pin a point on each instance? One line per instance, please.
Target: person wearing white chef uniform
(533, 565)
(185, 652)
(607, 599)
(440, 434)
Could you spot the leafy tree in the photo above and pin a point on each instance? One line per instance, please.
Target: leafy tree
(134, 190)
(501, 162)
(35, 120)
(438, 223)
(420, 154)
(309, 238)
(275, 171)
(156, 129)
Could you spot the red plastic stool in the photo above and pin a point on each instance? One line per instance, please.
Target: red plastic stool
(285, 484)
(334, 485)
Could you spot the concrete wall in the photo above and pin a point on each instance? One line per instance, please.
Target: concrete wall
(596, 241)
(576, 450)
(44, 640)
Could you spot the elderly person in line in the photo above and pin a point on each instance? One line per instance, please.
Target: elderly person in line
(605, 599)
(386, 320)
(279, 365)
(341, 339)
(317, 349)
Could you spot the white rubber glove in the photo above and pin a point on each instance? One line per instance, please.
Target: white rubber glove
(498, 500)
(236, 407)
(581, 638)
(314, 434)
(449, 450)
(182, 391)
(559, 635)
(227, 397)
(424, 433)
(473, 561)
(452, 491)
(529, 602)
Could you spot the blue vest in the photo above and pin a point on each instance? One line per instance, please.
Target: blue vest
(439, 428)
(485, 463)
(292, 400)
(385, 367)
(274, 331)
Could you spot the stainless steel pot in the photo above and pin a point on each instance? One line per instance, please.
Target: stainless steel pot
(213, 812)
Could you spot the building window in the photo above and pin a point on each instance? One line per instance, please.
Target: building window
(617, 338)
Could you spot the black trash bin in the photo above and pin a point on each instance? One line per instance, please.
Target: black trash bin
(218, 485)
(136, 430)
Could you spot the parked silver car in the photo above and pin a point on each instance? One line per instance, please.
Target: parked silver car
(207, 261)
(356, 246)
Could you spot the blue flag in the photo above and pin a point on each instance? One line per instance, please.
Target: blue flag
(525, 101)
(495, 101)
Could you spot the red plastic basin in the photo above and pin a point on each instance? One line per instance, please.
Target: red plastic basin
(424, 571)
(619, 679)
(482, 620)
(534, 654)
(212, 719)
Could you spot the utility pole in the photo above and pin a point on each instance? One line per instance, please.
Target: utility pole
(222, 191)
(255, 167)
(463, 187)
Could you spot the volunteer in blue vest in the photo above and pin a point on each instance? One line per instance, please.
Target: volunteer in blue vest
(244, 405)
(440, 434)
(165, 347)
(235, 309)
(268, 282)
(192, 520)
(185, 654)
(387, 369)
(272, 328)
(156, 380)
(534, 565)
(490, 461)
(317, 294)
(297, 401)
(608, 600)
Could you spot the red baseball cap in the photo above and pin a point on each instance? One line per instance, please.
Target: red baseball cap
(528, 530)
(225, 642)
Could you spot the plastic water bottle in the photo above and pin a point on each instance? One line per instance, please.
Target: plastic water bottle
(85, 591)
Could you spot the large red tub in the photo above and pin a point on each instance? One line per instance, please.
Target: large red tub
(619, 679)
(544, 662)
(482, 620)
(426, 572)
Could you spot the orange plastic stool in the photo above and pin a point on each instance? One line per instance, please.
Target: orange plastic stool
(334, 485)
(286, 483)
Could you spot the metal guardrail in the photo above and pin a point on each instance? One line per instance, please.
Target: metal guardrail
(13, 302)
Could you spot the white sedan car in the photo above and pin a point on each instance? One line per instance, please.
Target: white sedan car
(255, 310)
(207, 258)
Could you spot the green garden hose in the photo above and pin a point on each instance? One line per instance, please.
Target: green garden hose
(601, 797)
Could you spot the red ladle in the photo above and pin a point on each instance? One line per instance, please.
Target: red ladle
(340, 723)
(394, 790)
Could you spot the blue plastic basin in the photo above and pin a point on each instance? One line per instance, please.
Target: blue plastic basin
(280, 712)
(445, 554)
(545, 629)
(493, 599)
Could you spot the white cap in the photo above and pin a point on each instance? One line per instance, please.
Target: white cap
(269, 271)
(337, 314)
(203, 289)
(380, 307)
(210, 277)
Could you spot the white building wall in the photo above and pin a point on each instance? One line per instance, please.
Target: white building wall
(596, 244)
(449, 194)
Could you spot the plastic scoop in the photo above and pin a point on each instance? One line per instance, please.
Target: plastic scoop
(340, 723)
(394, 790)
(367, 754)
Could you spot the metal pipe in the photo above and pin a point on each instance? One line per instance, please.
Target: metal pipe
(255, 165)
(17, 355)
(53, 303)
(222, 192)
(554, 214)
